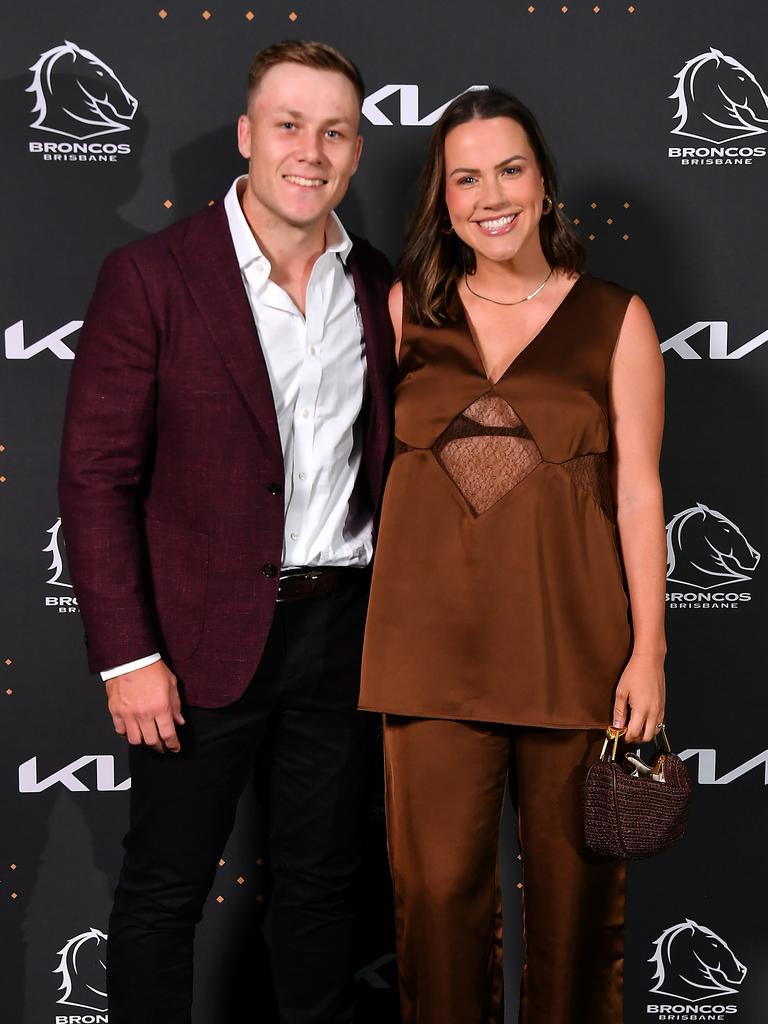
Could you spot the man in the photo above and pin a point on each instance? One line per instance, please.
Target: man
(225, 443)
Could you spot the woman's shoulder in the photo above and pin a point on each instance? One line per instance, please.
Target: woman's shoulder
(414, 317)
(601, 286)
(611, 299)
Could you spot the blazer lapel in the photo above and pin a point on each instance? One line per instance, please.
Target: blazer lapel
(371, 290)
(206, 257)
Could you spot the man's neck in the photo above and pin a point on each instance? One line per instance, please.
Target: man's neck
(291, 250)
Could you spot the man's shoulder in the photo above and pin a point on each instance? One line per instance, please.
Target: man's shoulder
(369, 259)
(157, 247)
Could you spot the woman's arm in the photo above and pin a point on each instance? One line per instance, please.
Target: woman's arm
(396, 314)
(636, 407)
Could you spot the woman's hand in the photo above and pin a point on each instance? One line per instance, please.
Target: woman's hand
(641, 687)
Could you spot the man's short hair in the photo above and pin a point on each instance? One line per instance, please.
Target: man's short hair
(311, 55)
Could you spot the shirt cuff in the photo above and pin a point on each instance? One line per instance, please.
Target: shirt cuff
(130, 666)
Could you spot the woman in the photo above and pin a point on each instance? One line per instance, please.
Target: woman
(505, 630)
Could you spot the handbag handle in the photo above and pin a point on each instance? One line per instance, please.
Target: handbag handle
(612, 736)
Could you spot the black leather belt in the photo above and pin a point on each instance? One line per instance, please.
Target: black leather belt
(313, 581)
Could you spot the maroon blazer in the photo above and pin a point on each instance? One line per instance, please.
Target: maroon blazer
(171, 482)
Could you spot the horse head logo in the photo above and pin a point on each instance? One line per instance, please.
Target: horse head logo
(705, 550)
(719, 100)
(56, 568)
(692, 963)
(83, 971)
(77, 95)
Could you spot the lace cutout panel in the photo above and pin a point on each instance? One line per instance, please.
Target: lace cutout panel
(590, 473)
(487, 451)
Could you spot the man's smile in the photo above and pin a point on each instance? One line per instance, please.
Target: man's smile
(296, 179)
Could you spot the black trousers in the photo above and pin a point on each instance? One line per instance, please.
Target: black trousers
(296, 726)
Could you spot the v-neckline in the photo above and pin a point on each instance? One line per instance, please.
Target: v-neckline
(513, 362)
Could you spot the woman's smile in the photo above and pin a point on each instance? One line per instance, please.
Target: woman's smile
(497, 225)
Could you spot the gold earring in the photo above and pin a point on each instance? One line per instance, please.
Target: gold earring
(547, 209)
(448, 230)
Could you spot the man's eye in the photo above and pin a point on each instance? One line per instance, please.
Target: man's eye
(333, 134)
(287, 124)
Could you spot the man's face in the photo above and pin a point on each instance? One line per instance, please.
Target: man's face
(300, 138)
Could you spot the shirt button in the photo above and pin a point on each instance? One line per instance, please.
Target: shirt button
(294, 536)
(302, 476)
(275, 488)
(305, 413)
(312, 350)
(269, 569)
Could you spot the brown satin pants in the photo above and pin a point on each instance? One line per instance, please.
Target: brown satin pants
(445, 785)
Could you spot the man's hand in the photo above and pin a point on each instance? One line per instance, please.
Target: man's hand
(145, 707)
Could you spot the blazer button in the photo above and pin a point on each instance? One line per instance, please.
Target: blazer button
(275, 488)
(269, 569)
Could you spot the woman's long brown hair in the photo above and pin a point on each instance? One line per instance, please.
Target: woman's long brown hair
(434, 257)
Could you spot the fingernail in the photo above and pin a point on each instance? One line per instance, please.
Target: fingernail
(617, 723)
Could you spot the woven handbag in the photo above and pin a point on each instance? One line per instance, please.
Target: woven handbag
(633, 809)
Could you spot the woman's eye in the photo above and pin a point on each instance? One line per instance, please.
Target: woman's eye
(467, 181)
(511, 171)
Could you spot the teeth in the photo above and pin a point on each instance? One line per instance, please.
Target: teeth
(306, 182)
(499, 222)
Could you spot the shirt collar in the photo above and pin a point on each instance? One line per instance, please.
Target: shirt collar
(247, 248)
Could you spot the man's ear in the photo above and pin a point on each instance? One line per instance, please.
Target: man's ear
(244, 136)
(358, 151)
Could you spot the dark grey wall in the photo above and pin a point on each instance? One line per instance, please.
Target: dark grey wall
(687, 235)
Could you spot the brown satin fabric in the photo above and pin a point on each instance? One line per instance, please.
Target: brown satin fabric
(444, 792)
(509, 608)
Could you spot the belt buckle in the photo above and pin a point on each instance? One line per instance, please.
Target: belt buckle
(309, 577)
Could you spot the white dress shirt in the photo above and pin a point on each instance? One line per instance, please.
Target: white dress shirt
(317, 370)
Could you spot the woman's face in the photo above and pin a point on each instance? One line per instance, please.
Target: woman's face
(494, 188)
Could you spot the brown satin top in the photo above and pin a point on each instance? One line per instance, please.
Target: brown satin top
(498, 593)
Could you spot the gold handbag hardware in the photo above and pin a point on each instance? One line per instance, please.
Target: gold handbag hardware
(636, 766)
(612, 736)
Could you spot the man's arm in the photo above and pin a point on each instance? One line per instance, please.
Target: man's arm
(109, 432)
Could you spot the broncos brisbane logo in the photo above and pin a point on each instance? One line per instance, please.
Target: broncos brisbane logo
(705, 550)
(82, 967)
(78, 96)
(719, 100)
(694, 964)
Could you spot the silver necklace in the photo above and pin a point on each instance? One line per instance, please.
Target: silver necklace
(516, 302)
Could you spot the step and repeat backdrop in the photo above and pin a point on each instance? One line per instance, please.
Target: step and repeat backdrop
(117, 119)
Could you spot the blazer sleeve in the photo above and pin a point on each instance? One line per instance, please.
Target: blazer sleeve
(106, 453)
